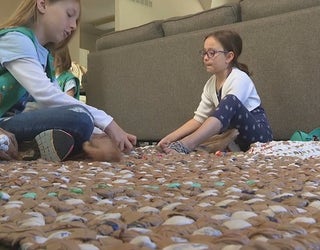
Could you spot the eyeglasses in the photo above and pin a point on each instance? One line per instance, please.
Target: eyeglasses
(211, 52)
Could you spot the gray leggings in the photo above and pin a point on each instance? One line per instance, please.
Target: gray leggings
(253, 126)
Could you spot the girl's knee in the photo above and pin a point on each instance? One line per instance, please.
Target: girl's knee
(85, 124)
(231, 98)
(80, 109)
(80, 120)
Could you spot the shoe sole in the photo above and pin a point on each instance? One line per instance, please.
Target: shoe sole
(55, 144)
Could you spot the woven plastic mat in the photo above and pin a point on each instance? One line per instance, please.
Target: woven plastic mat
(154, 201)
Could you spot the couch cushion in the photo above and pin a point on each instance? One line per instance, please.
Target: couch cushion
(252, 9)
(222, 15)
(141, 33)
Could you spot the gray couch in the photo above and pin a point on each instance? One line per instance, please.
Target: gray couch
(150, 78)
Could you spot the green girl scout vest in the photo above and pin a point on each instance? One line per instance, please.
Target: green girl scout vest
(10, 89)
(64, 78)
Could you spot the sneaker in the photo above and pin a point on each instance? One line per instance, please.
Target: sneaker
(54, 144)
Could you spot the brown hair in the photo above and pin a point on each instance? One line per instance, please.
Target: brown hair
(26, 15)
(62, 60)
(231, 41)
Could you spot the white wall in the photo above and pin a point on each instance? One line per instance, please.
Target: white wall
(83, 57)
(131, 13)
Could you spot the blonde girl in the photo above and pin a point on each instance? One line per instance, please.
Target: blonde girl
(62, 124)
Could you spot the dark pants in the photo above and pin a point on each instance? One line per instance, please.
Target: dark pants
(74, 119)
(253, 126)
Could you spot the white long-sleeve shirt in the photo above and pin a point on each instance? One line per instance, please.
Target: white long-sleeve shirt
(238, 83)
(26, 62)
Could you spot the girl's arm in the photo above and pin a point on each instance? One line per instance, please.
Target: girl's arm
(205, 108)
(122, 139)
(30, 74)
(71, 92)
(71, 87)
(186, 129)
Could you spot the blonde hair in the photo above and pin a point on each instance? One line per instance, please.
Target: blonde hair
(26, 15)
(62, 60)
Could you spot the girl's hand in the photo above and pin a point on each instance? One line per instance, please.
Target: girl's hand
(164, 144)
(123, 140)
(132, 139)
(8, 146)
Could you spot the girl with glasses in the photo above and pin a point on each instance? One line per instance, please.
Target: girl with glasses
(229, 100)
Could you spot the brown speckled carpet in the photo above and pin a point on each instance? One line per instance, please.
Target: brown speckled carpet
(149, 200)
